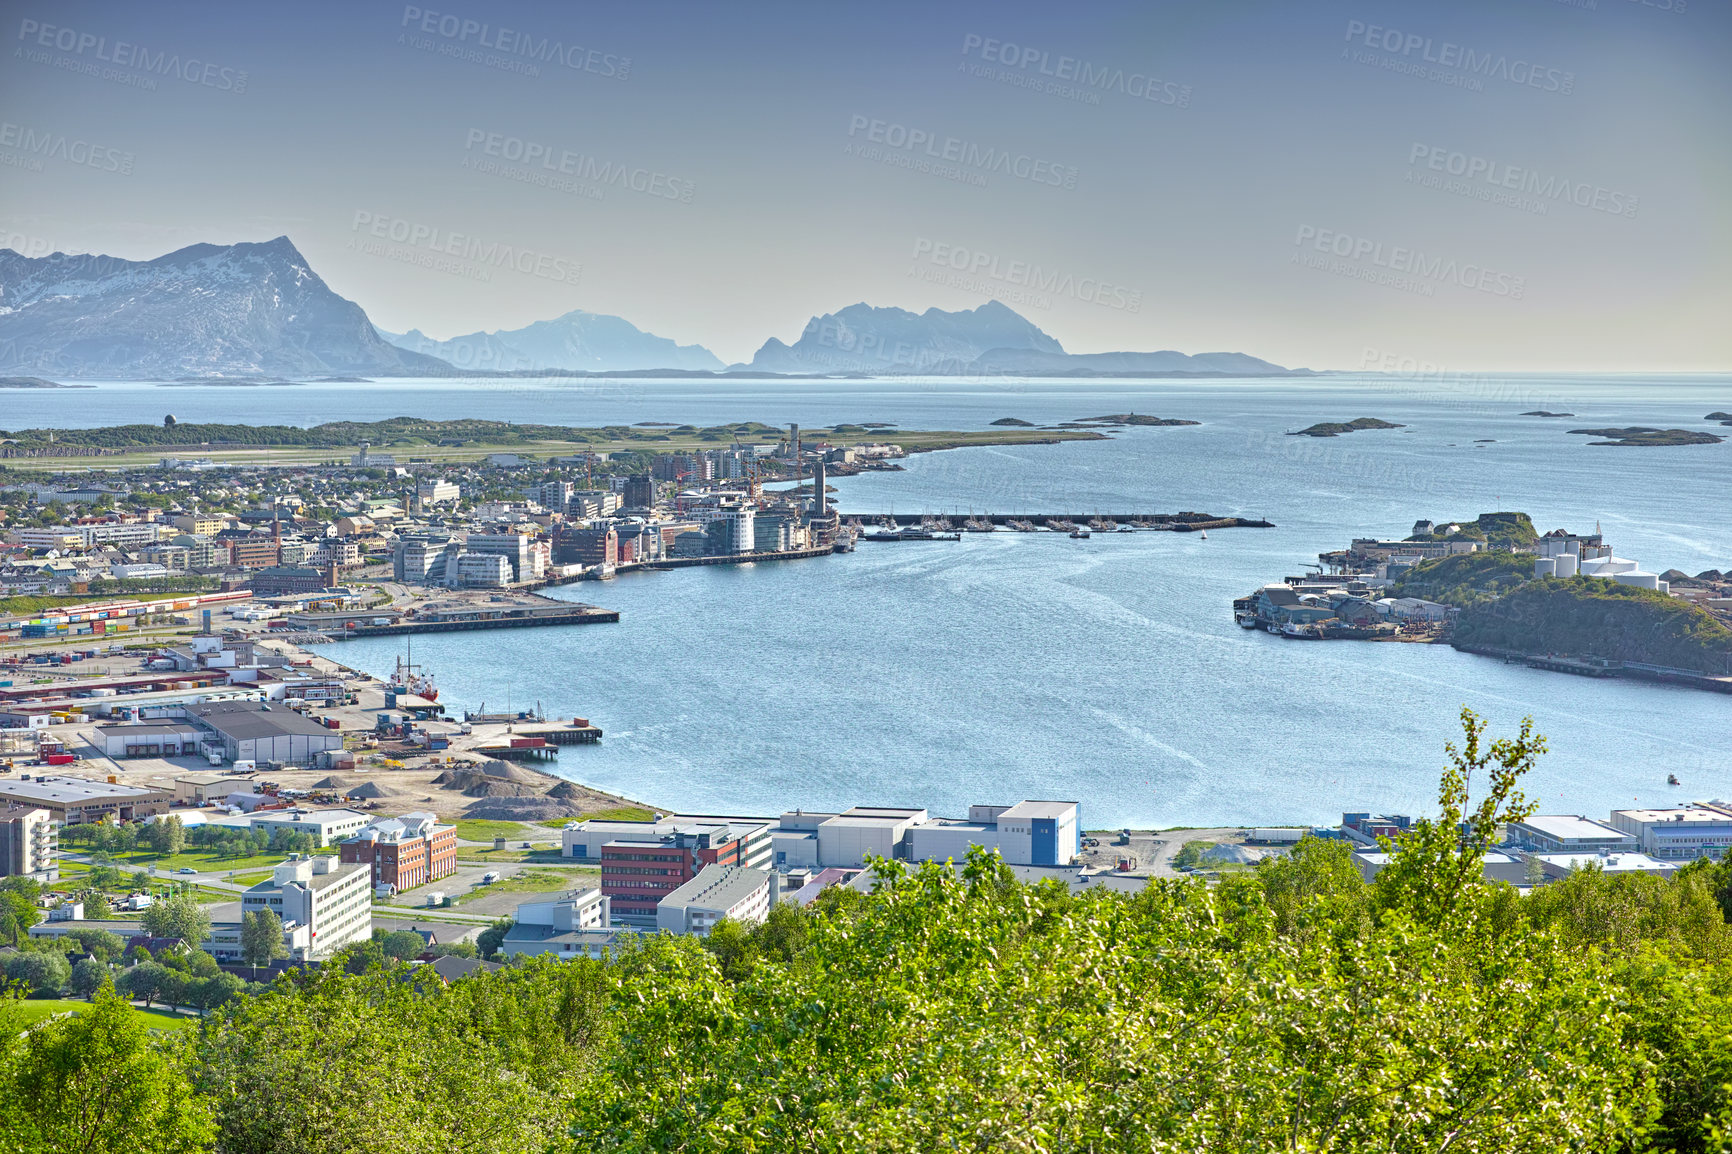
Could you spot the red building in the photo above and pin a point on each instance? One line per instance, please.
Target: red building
(405, 851)
(637, 875)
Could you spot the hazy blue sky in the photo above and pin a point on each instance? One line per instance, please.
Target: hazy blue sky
(1524, 184)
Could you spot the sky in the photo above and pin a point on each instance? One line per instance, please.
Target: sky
(1521, 185)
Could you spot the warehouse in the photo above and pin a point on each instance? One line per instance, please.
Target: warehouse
(76, 801)
(259, 731)
(151, 739)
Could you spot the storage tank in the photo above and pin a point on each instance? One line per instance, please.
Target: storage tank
(1564, 564)
(1545, 567)
(1638, 578)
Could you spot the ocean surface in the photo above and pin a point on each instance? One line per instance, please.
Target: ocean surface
(1108, 671)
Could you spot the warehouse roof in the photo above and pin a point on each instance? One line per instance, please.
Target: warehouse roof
(248, 720)
(61, 790)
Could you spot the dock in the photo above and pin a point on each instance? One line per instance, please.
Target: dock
(497, 611)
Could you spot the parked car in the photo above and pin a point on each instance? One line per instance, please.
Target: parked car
(186, 870)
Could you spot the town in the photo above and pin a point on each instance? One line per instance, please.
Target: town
(1445, 583)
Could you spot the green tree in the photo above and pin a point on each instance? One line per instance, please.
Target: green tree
(100, 943)
(181, 916)
(93, 1083)
(491, 938)
(214, 991)
(41, 972)
(88, 976)
(401, 945)
(17, 914)
(262, 939)
(463, 949)
(1436, 860)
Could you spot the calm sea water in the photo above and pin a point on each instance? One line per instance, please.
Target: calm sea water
(1109, 670)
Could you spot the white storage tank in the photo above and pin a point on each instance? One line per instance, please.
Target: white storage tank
(1638, 578)
(1565, 564)
(1545, 567)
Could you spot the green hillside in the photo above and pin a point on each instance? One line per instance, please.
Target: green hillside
(1591, 616)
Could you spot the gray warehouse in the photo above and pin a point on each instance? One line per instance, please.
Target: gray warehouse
(260, 731)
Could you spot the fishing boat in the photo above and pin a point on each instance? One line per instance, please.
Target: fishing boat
(1080, 531)
(1024, 526)
(1672, 779)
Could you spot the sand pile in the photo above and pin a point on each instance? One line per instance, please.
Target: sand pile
(522, 809)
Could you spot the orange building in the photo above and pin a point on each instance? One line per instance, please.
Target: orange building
(406, 851)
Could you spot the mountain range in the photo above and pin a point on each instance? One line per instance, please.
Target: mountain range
(259, 310)
(202, 311)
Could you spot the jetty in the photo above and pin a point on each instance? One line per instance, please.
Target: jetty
(495, 611)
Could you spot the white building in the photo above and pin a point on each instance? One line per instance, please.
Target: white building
(718, 892)
(333, 901)
(514, 547)
(480, 571)
(328, 826)
(1681, 834)
(29, 840)
(1562, 865)
(437, 492)
(566, 927)
(1566, 834)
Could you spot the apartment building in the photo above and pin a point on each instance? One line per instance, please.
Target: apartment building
(331, 900)
(29, 841)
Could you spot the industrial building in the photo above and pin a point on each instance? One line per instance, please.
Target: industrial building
(1029, 833)
(644, 861)
(78, 801)
(330, 900)
(29, 841)
(1566, 834)
(259, 731)
(405, 851)
(717, 892)
(1681, 834)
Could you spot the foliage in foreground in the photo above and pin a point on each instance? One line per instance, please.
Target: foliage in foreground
(1293, 1007)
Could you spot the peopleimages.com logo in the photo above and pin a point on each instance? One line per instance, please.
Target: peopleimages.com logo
(974, 266)
(1072, 77)
(919, 148)
(1409, 52)
(1487, 179)
(87, 52)
(34, 146)
(512, 44)
(1397, 266)
(426, 245)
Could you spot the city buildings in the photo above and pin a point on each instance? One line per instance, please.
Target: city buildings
(717, 892)
(644, 861)
(77, 801)
(405, 851)
(331, 900)
(29, 841)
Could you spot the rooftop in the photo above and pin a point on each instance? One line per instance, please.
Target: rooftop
(64, 790)
(1039, 809)
(246, 720)
(1567, 828)
(1680, 815)
(719, 887)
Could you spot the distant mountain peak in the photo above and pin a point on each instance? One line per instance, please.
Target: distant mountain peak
(251, 308)
(862, 338)
(575, 341)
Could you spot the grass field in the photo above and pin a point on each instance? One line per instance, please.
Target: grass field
(480, 829)
(35, 1010)
(250, 878)
(542, 880)
(200, 860)
(620, 813)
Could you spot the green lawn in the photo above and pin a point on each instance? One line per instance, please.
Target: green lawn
(479, 829)
(540, 881)
(620, 813)
(35, 1010)
(251, 878)
(201, 860)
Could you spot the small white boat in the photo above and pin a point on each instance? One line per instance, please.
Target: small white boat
(1205, 534)
(1080, 532)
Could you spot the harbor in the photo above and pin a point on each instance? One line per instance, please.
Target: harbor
(513, 610)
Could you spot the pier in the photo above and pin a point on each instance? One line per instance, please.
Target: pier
(499, 611)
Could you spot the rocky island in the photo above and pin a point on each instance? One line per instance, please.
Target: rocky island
(1643, 436)
(1336, 428)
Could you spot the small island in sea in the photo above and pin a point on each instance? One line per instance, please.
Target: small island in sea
(1017, 422)
(1336, 428)
(36, 383)
(1642, 435)
(1544, 413)
(1135, 419)
(1723, 417)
